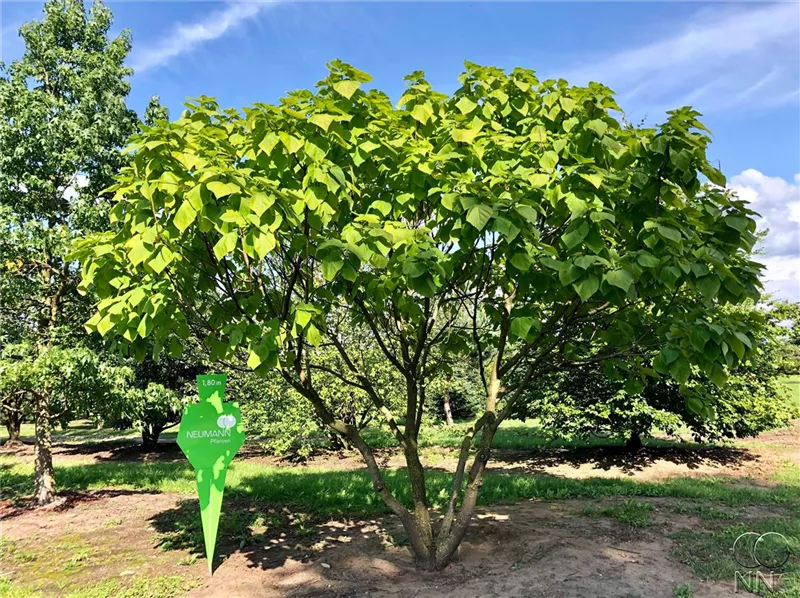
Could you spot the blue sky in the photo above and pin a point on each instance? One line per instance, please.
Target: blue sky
(738, 63)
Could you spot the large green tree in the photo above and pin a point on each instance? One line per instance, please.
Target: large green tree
(585, 402)
(63, 118)
(515, 220)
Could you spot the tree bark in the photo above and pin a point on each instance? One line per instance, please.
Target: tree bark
(448, 412)
(150, 436)
(634, 442)
(44, 479)
(13, 425)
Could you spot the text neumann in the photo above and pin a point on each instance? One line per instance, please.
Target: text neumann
(208, 433)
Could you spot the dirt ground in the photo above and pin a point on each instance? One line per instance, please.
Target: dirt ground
(531, 549)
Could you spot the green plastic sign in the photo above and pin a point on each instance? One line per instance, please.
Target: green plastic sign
(210, 434)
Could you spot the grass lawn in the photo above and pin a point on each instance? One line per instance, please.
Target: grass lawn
(298, 500)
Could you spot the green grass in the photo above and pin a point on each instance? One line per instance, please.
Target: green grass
(631, 512)
(684, 590)
(332, 492)
(709, 552)
(512, 435)
(141, 587)
(792, 383)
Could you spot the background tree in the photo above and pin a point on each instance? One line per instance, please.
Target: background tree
(787, 314)
(153, 401)
(62, 119)
(584, 401)
(520, 207)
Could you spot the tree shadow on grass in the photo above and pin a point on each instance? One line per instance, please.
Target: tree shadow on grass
(619, 457)
(268, 534)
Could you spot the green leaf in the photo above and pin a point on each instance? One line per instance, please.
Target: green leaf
(330, 267)
(648, 260)
(253, 360)
(708, 286)
(302, 315)
(521, 261)
(260, 202)
(465, 135)
(594, 179)
(184, 216)
(598, 126)
(717, 375)
(414, 268)
(263, 243)
(575, 236)
(548, 160)
(699, 337)
(669, 276)
(521, 326)
(422, 113)
(465, 105)
(423, 285)
(268, 143)
(291, 143)
(737, 222)
(195, 197)
(587, 287)
(479, 215)
(161, 260)
(569, 274)
(346, 88)
(695, 405)
(225, 245)
(313, 336)
(323, 121)
(669, 233)
(619, 278)
(220, 189)
(744, 338)
(384, 207)
(669, 354)
(139, 253)
(680, 370)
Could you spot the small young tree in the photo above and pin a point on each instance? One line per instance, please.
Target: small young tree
(520, 207)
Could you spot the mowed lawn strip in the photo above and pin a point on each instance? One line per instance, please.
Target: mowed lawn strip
(331, 492)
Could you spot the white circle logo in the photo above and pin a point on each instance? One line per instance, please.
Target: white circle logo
(226, 421)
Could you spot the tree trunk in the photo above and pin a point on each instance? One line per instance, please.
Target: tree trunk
(13, 424)
(44, 479)
(634, 442)
(448, 412)
(150, 435)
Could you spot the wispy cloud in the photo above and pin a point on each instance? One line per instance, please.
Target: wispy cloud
(187, 37)
(735, 56)
(778, 203)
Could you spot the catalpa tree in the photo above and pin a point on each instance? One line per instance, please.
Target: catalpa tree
(516, 221)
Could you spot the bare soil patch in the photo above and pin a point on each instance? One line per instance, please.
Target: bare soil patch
(530, 549)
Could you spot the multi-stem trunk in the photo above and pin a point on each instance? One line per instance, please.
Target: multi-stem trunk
(44, 479)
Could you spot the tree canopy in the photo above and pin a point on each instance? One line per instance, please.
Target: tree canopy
(517, 221)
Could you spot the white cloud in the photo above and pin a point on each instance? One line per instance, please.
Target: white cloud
(186, 37)
(782, 276)
(727, 57)
(778, 203)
